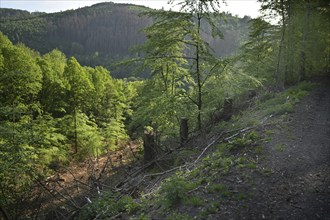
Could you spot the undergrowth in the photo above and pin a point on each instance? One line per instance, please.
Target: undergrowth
(267, 106)
(109, 205)
(187, 187)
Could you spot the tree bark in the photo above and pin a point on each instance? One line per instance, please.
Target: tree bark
(183, 131)
(227, 109)
(149, 146)
(302, 70)
(75, 131)
(199, 81)
(277, 73)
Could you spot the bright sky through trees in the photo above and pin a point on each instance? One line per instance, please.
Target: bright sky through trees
(236, 7)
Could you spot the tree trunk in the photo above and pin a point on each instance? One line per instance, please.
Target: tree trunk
(199, 81)
(183, 131)
(289, 48)
(227, 109)
(302, 70)
(75, 131)
(277, 73)
(149, 146)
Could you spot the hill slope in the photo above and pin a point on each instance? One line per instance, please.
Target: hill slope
(99, 34)
(275, 167)
(271, 161)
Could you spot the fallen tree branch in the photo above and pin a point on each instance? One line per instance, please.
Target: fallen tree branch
(208, 146)
(165, 172)
(50, 191)
(238, 133)
(105, 165)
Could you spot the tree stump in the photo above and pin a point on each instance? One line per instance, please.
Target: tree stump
(149, 146)
(183, 131)
(227, 109)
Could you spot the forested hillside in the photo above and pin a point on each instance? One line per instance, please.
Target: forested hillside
(77, 143)
(102, 33)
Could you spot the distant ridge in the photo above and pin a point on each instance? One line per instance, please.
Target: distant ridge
(99, 34)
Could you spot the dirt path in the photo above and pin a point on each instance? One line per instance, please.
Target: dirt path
(298, 162)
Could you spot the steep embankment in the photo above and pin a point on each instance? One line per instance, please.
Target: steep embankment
(271, 161)
(276, 167)
(291, 179)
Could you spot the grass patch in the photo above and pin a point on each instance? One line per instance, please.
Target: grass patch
(175, 190)
(213, 208)
(109, 205)
(218, 188)
(242, 196)
(194, 201)
(267, 172)
(178, 216)
(284, 102)
(280, 147)
(259, 149)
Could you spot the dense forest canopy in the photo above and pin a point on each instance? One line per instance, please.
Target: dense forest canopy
(54, 110)
(100, 34)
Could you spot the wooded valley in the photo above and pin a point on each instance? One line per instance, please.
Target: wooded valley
(122, 82)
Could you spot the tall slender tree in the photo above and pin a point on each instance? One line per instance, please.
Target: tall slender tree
(176, 45)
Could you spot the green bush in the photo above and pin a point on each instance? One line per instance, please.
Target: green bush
(175, 190)
(108, 206)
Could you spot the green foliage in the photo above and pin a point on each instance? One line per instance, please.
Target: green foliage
(108, 205)
(52, 107)
(178, 216)
(175, 190)
(257, 52)
(218, 188)
(48, 141)
(84, 33)
(20, 80)
(280, 147)
(195, 201)
(299, 40)
(89, 137)
(284, 102)
(18, 161)
(53, 94)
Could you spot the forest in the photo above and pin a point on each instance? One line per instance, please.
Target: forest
(102, 34)
(56, 112)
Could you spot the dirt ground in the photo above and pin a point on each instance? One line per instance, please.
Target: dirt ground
(297, 161)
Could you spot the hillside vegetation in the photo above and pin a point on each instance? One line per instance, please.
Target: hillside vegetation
(101, 34)
(77, 143)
